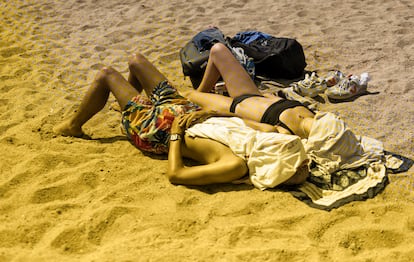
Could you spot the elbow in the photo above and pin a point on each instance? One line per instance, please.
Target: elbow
(237, 168)
(242, 167)
(173, 176)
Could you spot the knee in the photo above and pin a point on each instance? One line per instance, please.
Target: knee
(105, 72)
(218, 49)
(136, 59)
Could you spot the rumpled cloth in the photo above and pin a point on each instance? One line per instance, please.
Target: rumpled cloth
(368, 186)
(333, 146)
(249, 36)
(272, 158)
(346, 166)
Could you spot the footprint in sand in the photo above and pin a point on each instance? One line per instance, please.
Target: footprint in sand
(99, 48)
(11, 51)
(370, 239)
(23, 235)
(66, 190)
(73, 240)
(82, 239)
(120, 36)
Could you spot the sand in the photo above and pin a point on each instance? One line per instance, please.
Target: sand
(72, 199)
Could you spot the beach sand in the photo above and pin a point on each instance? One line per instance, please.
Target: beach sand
(72, 199)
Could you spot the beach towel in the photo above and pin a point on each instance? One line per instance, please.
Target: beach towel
(345, 167)
(346, 186)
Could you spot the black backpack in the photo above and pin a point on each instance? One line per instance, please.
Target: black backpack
(194, 55)
(274, 57)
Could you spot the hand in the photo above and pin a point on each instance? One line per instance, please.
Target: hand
(175, 126)
(193, 118)
(183, 122)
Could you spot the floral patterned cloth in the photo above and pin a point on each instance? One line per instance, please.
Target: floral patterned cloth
(147, 121)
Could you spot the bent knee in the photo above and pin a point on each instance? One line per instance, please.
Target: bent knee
(105, 72)
(218, 48)
(220, 52)
(136, 59)
(108, 70)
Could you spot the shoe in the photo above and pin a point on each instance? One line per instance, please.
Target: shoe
(348, 87)
(333, 77)
(311, 86)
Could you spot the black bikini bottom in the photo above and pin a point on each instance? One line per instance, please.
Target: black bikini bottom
(237, 100)
(272, 113)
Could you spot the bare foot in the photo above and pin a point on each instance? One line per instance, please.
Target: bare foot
(66, 129)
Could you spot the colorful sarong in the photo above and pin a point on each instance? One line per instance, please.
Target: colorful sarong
(147, 121)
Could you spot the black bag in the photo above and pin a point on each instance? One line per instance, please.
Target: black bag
(274, 57)
(194, 55)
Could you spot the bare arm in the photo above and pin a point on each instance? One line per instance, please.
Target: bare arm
(218, 162)
(175, 159)
(223, 168)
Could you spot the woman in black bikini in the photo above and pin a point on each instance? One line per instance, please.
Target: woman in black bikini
(246, 101)
(330, 142)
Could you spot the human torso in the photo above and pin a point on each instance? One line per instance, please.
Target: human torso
(296, 118)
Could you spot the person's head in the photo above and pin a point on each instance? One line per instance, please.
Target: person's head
(282, 160)
(300, 176)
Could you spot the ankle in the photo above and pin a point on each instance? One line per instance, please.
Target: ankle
(74, 125)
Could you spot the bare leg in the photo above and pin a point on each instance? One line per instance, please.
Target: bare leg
(143, 74)
(222, 63)
(141, 70)
(209, 101)
(106, 81)
(134, 82)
